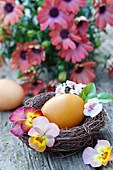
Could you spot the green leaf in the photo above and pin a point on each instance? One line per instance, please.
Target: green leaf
(92, 89)
(104, 97)
(91, 96)
(85, 91)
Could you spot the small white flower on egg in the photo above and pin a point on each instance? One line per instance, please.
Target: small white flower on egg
(60, 89)
(92, 107)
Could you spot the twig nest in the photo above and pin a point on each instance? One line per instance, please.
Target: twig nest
(70, 140)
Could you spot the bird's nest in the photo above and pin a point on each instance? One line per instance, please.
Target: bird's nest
(70, 140)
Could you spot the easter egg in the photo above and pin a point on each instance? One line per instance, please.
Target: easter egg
(11, 94)
(65, 110)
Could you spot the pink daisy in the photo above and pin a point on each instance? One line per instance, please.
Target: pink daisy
(20, 57)
(63, 38)
(51, 14)
(79, 53)
(36, 53)
(35, 87)
(82, 73)
(82, 24)
(10, 12)
(109, 2)
(104, 15)
(72, 5)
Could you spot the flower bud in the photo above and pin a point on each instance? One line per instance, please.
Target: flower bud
(62, 76)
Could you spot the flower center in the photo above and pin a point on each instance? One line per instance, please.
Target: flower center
(39, 139)
(67, 0)
(64, 33)
(79, 69)
(54, 12)
(23, 55)
(35, 83)
(9, 7)
(37, 51)
(105, 155)
(77, 44)
(80, 24)
(102, 9)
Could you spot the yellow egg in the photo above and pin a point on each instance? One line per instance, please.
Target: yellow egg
(11, 94)
(65, 110)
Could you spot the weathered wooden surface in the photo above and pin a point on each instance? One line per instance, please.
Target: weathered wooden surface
(14, 155)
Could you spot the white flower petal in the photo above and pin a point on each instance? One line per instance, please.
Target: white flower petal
(97, 109)
(52, 130)
(89, 156)
(41, 122)
(101, 146)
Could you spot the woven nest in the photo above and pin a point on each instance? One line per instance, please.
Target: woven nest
(70, 140)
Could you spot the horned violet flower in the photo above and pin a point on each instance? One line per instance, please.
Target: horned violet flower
(23, 119)
(92, 107)
(98, 156)
(42, 133)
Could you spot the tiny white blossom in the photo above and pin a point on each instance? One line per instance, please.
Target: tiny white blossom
(72, 91)
(79, 88)
(71, 84)
(92, 107)
(60, 89)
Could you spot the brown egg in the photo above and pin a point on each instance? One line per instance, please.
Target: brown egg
(65, 110)
(11, 94)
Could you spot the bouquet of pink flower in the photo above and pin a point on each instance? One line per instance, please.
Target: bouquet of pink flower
(60, 38)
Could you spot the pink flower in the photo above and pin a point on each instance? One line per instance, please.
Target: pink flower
(36, 53)
(72, 5)
(10, 12)
(79, 53)
(82, 24)
(98, 156)
(42, 133)
(109, 2)
(104, 15)
(63, 38)
(20, 57)
(23, 119)
(82, 73)
(34, 86)
(51, 14)
(110, 67)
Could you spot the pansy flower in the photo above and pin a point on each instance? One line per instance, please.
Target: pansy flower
(104, 14)
(98, 156)
(20, 57)
(72, 5)
(36, 53)
(110, 67)
(10, 12)
(23, 119)
(51, 14)
(35, 86)
(82, 24)
(63, 38)
(83, 73)
(42, 133)
(92, 107)
(79, 53)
